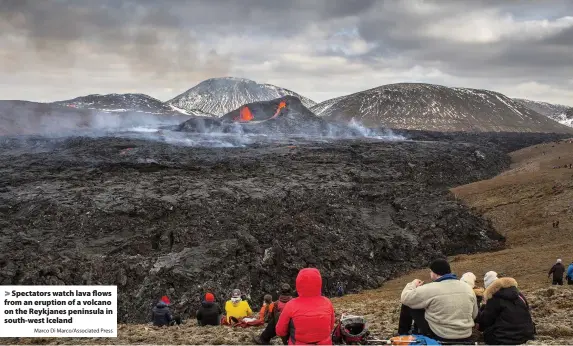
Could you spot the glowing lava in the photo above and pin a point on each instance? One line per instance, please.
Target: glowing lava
(245, 115)
(281, 106)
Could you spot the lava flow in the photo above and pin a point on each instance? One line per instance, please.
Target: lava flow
(281, 106)
(245, 115)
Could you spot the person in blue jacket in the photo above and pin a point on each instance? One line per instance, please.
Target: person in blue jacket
(570, 274)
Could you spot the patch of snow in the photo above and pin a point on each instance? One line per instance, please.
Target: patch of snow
(177, 109)
(218, 96)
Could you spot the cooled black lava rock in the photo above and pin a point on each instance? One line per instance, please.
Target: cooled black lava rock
(505, 141)
(158, 219)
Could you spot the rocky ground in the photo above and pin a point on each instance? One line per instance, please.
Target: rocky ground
(552, 310)
(506, 141)
(158, 219)
(154, 219)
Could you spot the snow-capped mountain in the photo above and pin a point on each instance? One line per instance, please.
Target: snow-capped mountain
(219, 96)
(435, 107)
(560, 113)
(118, 103)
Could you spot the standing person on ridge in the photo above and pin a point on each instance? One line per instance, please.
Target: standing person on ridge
(557, 270)
(308, 319)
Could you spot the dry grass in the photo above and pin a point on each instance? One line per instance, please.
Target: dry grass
(522, 204)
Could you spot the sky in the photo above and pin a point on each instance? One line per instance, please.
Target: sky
(59, 49)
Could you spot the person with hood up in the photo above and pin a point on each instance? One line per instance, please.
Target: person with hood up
(308, 319)
(505, 318)
(557, 270)
(444, 309)
(278, 307)
(570, 274)
(209, 313)
(161, 315)
(470, 279)
(236, 308)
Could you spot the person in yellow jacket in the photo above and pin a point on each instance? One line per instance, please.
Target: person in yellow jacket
(236, 308)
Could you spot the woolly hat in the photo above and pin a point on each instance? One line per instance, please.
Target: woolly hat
(489, 278)
(285, 289)
(469, 278)
(165, 299)
(236, 293)
(440, 267)
(209, 297)
(559, 260)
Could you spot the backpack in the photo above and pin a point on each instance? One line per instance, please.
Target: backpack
(269, 309)
(351, 330)
(277, 309)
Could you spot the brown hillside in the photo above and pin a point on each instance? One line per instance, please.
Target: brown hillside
(522, 204)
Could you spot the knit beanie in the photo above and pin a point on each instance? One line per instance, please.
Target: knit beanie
(285, 289)
(489, 278)
(440, 267)
(469, 278)
(209, 297)
(559, 260)
(165, 299)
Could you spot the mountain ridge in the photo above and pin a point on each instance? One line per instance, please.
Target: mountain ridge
(116, 102)
(436, 107)
(220, 96)
(561, 113)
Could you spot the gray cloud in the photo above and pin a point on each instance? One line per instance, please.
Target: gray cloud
(164, 47)
(402, 31)
(149, 40)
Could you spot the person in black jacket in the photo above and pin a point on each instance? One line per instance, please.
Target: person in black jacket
(209, 313)
(505, 318)
(557, 270)
(161, 315)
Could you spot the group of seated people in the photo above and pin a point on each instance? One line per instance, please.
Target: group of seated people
(446, 309)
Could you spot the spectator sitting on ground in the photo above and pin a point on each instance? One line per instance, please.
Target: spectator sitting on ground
(308, 319)
(505, 318)
(470, 279)
(236, 308)
(161, 314)
(266, 309)
(270, 332)
(444, 309)
(209, 313)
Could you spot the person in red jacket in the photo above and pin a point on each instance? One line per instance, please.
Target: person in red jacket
(308, 319)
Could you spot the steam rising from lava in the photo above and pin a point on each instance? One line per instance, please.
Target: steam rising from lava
(283, 122)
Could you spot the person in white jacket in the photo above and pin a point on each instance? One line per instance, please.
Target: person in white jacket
(444, 309)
